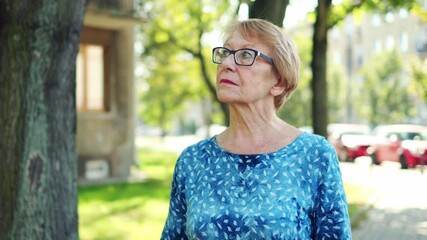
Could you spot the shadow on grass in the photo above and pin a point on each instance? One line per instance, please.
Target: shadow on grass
(157, 165)
(154, 188)
(123, 211)
(131, 210)
(358, 213)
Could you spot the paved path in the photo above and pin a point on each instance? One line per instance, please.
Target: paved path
(399, 209)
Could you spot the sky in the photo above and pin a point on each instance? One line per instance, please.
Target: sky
(297, 11)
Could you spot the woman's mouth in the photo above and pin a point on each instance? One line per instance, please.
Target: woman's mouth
(227, 82)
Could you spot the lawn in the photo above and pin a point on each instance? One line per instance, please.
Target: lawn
(130, 211)
(357, 197)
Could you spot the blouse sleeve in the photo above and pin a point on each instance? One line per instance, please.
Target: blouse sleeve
(176, 221)
(331, 210)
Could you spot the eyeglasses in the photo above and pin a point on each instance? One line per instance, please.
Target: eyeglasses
(242, 57)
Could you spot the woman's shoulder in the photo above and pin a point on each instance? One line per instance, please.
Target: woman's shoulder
(312, 140)
(315, 146)
(204, 145)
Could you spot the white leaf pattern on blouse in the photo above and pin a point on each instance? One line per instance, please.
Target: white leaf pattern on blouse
(294, 193)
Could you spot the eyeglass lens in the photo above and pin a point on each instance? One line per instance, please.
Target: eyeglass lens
(244, 57)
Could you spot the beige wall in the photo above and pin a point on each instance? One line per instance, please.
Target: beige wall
(110, 135)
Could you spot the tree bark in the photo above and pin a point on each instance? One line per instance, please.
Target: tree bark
(38, 169)
(271, 10)
(318, 66)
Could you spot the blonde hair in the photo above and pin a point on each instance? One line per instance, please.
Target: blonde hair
(285, 56)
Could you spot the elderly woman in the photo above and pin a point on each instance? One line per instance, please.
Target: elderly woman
(261, 178)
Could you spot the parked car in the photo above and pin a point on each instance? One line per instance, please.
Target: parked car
(349, 140)
(402, 143)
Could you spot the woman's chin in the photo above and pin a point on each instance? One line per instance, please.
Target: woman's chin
(225, 97)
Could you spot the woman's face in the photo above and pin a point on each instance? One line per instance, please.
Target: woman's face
(247, 85)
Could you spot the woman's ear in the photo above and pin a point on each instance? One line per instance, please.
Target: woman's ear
(278, 88)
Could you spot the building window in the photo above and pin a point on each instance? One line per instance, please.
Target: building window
(404, 42)
(403, 13)
(91, 78)
(378, 46)
(376, 20)
(389, 17)
(390, 43)
(92, 71)
(336, 57)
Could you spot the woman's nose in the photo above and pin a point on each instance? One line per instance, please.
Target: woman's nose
(229, 61)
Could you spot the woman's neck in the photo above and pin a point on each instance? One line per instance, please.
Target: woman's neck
(256, 132)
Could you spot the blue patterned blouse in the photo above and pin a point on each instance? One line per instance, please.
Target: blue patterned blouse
(294, 193)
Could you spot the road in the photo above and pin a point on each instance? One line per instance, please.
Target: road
(399, 207)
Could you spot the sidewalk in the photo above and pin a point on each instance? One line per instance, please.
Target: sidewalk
(399, 211)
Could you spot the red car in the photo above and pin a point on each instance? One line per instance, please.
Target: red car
(402, 143)
(349, 140)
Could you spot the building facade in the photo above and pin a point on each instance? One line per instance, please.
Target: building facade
(358, 39)
(105, 90)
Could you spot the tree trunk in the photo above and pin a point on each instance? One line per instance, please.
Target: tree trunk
(271, 10)
(318, 66)
(38, 169)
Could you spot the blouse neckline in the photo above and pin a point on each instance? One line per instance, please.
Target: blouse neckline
(284, 148)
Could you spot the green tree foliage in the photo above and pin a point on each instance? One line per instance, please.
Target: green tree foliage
(327, 15)
(168, 88)
(420, 11)
(340, 11)
(296, 110)
(177, 29)
(318, 66)
(177, 56)
(384, 97)
(337, 84)
(418, 74)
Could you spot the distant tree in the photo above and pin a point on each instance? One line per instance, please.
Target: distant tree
(327, 16)
(319, 106)
(297, 110)
(418, 67)
(168, 88)
(418, 75)
(181, 24)
(178, 56)
(337, 84)
(420, 11)
(272, 10)
(318, 64)
(384, 99)
(38, 170)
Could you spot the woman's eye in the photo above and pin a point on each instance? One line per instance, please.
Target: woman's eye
(247, 54)
(225, 53)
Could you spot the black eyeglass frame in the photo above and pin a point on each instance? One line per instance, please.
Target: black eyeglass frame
(257, 54)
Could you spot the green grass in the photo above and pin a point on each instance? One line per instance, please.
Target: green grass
(129, 211)
(357, 197)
